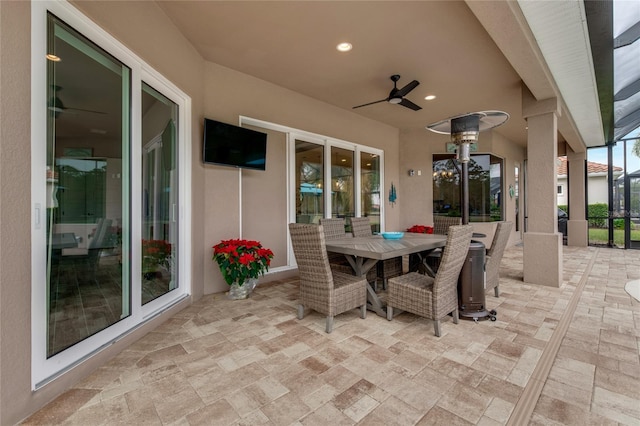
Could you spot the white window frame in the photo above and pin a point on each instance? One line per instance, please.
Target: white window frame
(45, 370)
(328, 142)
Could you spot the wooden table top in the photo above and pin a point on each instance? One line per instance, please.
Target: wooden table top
(376, 247)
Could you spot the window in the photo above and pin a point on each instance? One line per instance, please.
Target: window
(309, 182)
(344, 186)
(370, 188)
(485, 187)
(560, 189)
(342, 183)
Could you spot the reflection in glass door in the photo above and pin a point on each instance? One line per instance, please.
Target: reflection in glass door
(342, 184)
(87, 134)
(309, 174)
(159, 194)
(370, 189)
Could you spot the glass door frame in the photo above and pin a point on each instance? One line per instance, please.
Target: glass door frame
(43, 369)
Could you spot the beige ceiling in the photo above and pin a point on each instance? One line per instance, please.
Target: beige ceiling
(292, 44)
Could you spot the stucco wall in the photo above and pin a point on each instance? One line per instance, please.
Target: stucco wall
(229, 94)
(15, 211)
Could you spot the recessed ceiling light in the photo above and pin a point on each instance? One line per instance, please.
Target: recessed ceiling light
(430, 97)
(52, 57)
(344, 47)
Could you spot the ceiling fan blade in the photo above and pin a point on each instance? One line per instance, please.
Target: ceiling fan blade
(406, 89)
(84, 110)
(407, 103)
(371, 103)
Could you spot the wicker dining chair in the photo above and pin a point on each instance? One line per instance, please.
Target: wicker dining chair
(322, 289)
(441, 226)
(334, 229)
(494, 256)
(389, 268)
(433, 298)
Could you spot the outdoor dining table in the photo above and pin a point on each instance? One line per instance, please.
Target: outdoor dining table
(362, 253)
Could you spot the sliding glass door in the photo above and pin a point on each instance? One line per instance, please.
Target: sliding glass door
(88, 125)
(109, 189)
(159, 194)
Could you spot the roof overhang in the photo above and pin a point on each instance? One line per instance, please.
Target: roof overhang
(614, 29)
(561, 32)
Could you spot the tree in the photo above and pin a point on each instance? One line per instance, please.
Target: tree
(636, 148)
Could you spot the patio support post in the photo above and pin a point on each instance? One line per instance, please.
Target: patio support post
(577, 226)
(542, 254)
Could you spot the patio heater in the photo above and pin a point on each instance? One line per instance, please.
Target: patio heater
(464, 130)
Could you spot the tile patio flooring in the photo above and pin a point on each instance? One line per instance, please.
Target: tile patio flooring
(555, 356)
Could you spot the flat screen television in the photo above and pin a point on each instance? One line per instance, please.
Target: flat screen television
(234, 146)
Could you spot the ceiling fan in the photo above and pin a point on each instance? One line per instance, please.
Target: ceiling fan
(396, 96)
(56, 105)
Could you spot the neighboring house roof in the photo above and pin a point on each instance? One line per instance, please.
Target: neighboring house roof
(592, 168)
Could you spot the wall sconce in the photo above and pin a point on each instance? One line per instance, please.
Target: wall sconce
(412, 172)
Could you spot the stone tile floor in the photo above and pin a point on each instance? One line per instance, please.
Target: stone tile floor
(567, 355)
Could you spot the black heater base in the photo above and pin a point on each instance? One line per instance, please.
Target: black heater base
(477, 315)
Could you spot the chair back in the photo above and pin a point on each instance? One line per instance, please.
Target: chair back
(495, 252)
(453, 258)
(103, 230)
(308, 242)
(441, 224)
(333, 228)
(500, 239)
(361, 227)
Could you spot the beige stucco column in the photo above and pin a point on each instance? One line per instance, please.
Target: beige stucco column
(542, 242)
(577, 226)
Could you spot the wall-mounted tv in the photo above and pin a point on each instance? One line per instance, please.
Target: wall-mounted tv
(234, 146)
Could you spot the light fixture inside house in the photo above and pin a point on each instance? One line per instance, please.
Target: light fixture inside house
(395, 100)
(430, 97)
(344, 47)
(52, 57)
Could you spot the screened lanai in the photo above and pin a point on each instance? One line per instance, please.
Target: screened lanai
(614, 30)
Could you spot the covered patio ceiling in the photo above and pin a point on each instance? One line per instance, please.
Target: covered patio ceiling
(471, 55)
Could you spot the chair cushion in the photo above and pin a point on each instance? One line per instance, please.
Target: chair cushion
(412, 292)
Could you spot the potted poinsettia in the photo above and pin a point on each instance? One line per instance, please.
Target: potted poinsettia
(241, 263)
(421, 229)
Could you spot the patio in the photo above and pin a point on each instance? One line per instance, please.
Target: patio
(554, 356)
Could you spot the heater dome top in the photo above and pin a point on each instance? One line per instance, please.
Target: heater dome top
(478, 121)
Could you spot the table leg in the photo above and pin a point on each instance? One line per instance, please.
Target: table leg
(374, 303)
(361, 266)
(423, 266)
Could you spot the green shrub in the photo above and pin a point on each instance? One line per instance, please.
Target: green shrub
(618, 223)
(597, 215)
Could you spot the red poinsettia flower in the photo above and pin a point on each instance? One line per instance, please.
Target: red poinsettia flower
(241, 259)
(421, 229)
